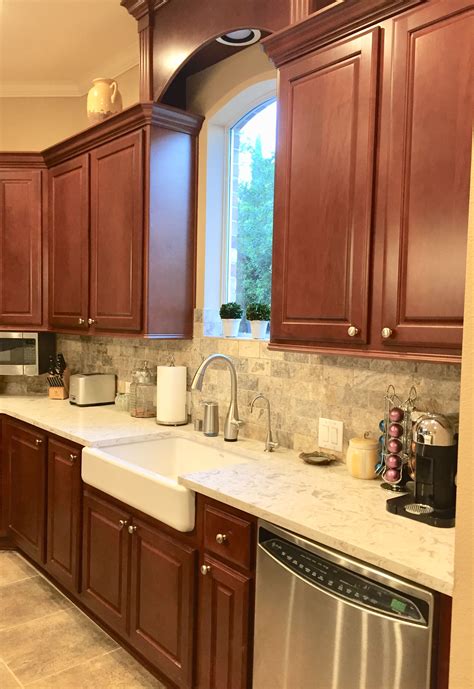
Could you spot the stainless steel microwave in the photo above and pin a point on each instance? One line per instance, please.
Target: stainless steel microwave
(25, 354)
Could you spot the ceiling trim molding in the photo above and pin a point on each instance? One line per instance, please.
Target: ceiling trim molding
(128, 59)
(139, 8)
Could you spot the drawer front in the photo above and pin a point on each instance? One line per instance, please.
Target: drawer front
(228, 536)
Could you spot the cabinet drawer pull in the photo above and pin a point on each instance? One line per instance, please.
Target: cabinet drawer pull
(221, 538)
(132, 529)
(91, 321)
(123, 522)
(352, 331)
(386, 333)
(81, 321)
(205, 569)
(73, 458)
(38, 441)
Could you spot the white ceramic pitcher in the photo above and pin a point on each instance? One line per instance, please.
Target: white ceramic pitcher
(103, 100)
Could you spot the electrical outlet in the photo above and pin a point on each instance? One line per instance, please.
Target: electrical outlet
(331, 434)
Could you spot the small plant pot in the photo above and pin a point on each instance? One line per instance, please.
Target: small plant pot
(230, 326)
(259, 329)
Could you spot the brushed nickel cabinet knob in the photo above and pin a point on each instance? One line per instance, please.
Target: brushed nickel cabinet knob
(386, 333)
(132, 529)
(352, 331)
(221, 538)
(38, 441)
(91, 321)
(205, 569)
(72, 457)
(123, 522)
(81, 321)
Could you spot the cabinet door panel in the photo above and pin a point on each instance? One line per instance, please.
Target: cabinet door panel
(223, 644)
(69, 244)
(117, 234)
(427, 176)
(26, 452)
(21, 292)
(162, 602)
(105, 561)
(323, 193)
(64, 512)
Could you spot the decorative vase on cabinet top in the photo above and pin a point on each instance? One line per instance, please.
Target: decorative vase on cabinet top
(103, 100)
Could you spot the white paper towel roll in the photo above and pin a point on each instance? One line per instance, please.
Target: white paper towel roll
(171, 395)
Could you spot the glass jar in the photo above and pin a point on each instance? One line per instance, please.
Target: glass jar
(143, 393)
(122, 399)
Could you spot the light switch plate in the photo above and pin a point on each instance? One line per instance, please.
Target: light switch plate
(331, 434)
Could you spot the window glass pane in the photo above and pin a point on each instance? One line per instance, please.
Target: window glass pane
(250, 225)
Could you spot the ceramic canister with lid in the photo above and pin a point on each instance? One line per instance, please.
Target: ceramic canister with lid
(362, 456)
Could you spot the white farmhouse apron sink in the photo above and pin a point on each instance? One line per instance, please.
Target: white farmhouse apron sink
(145, 475)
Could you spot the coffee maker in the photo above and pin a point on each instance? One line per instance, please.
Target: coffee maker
(436, 451)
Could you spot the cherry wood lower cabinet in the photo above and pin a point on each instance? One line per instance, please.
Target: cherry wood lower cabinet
(224, 616)
(162, 601)
(106, 561)
(64, 513)
(25, 449)
(140, 580)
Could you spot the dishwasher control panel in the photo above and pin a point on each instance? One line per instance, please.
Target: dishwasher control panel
(344, 583)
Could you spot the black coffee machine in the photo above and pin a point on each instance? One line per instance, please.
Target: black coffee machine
(436, 453)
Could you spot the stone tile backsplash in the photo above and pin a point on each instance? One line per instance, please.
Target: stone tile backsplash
(301, 387)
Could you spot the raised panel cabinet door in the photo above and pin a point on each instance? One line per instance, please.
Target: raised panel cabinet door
(223, 651)
(69, 244)
(21, 291)
(323, 194)
(105, 561)
(26, 456)
(117, 234)
(162, 602)
(64, 513)
(427, 176)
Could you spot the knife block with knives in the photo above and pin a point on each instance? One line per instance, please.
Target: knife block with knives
(58, 378)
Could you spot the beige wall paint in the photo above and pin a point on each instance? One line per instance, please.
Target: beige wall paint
(32, 124)
(208, 92)
(462, 642)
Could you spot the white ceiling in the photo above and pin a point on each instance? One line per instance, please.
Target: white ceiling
(56, 47)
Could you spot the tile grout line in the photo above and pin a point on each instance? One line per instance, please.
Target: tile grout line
(70, 667)
(12, 674)
(35, 619)
(17, 581)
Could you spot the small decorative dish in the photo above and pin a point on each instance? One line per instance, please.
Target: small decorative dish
(317, 458)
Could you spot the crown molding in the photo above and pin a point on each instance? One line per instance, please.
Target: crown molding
(139, 8)
(114, 67)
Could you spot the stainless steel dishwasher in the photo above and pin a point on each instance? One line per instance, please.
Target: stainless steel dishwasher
(326, 621)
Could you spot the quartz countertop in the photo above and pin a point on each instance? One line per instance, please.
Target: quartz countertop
(324, 504)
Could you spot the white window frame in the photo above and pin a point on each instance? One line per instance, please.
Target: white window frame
(226, 221)
(218, 130)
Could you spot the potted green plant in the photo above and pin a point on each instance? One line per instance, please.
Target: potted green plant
(259, 315)
(231, 315)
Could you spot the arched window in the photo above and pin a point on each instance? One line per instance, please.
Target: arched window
(249, 222)
(237, 158)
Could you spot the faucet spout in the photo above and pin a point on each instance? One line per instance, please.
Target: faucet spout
(270, 443)
(232, 422)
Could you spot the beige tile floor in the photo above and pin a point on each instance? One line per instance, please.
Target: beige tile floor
(48, 643)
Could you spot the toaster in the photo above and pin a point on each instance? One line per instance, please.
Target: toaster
(92, 389)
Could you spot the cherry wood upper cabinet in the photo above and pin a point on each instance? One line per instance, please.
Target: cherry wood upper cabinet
(162, 602)
(117, 234)
(64, 513)
(323, 194)
(25, 448)
(425, 172)
(69, 244)
(21, 279)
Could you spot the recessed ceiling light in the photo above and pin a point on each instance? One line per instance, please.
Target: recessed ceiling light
(240, 37)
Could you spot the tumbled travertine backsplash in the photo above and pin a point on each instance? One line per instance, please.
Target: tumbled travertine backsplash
(301, 387)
